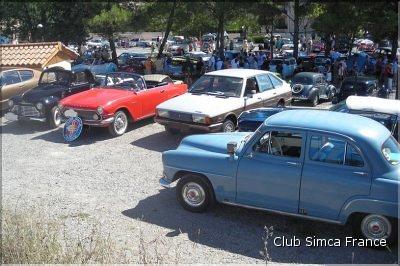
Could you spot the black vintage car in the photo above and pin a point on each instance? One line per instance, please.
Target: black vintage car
(41, 103)
(311, 86)
(359, 86)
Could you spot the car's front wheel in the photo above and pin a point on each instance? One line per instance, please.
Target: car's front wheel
(194, 193)
(228, 126)
(375, 226)
(54, 117)
(120, 124)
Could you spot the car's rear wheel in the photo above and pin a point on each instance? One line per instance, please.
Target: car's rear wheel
(315, 100)
(120, 124)
(54, 117)
(228, 126)
(194, 193)
(172, 131)
(375, 226)
(331, 95)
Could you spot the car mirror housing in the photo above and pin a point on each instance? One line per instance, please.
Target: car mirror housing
(231, 148)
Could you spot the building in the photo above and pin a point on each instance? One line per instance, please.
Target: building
(36, 55)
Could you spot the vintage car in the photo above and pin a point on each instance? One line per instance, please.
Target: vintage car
(41, 102)
(98, 43)
(96, 66)
(288, 66)
(300, 163)
(216, 99)
(311, 87)
(385, 111)
(357, 85)
(124, 97)
(124, 58)
(16, 81)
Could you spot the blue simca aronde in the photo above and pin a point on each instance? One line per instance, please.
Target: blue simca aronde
(322, 165)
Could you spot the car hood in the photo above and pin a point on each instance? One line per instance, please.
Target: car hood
(202, 104)
(93, 98)
(214, 142)
(42, 91)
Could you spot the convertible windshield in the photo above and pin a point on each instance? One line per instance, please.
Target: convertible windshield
(218, 85)
(55, 77)
(125, 81)
(391, 151)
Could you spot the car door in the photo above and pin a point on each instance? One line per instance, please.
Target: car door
(268, 93)
(252, 100)
(334, 171)
(148, 98)
(26, 80)
(280, 90)
(269, 173)
(12, 84)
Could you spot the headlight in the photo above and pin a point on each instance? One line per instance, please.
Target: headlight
(162, 113)
(95, 116)
(10, 103)
(100, 110)
(39, 106)
(202, 119)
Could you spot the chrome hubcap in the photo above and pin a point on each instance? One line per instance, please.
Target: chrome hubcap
(193, 194)
(376, 227)
(229, 128)
(120, 123)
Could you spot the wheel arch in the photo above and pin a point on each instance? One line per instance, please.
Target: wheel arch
(127, 112)
(232, 117)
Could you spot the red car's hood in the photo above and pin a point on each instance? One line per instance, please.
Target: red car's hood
(93, 98)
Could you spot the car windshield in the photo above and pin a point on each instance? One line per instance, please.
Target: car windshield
(55, 77)
(125, 81)
(391, 151)
(302, 80)
(218, 85)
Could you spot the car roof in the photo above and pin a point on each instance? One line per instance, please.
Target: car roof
(353, 126)
(373, 104)
(308, 74)
(237, 73)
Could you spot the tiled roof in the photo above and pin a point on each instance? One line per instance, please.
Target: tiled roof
(32, 54)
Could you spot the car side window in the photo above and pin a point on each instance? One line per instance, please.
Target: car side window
(26, 74)
(264, 83)
(80, 78)
(251, 85)
(353, 157)
(275, 81)
(11, 77)
(327, 149)
(280, 143)
(168, 80)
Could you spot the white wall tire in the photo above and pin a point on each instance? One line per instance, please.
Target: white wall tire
(120, 124)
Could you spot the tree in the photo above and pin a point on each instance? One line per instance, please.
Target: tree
(108, 22)
(167, 29)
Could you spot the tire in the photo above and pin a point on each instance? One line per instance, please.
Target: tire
(194, 193)
(331, 95)
(315, 100)
(120, 124)
(362, 223)
(54, 117)
(172, 131)
(228, 126)
(280, 104)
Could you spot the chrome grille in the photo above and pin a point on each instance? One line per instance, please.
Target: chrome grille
(26, 110)
(180, 116)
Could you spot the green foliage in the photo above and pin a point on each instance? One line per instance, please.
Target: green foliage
(108, 22)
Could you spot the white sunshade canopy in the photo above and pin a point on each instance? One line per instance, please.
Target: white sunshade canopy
(374, 104)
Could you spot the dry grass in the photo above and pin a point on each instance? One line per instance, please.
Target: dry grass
(27, 239)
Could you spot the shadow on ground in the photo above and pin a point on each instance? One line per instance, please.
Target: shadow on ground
(161, 141)
(241, 231)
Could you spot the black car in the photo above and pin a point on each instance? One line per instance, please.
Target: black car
(311, 86)
(41, 103)
(359, 86)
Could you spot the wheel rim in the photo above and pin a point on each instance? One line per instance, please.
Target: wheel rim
(57, 116)
(120, 123)
(229, 127)
(376, 227)
(193, 194)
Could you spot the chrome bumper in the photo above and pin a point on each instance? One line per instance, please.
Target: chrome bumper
(187, 126)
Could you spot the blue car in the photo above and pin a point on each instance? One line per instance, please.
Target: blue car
(250, 120)
(96, 66)
(300, 163)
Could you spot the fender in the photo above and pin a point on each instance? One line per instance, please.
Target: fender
(312, 92)
(50, 101)
(365, 205)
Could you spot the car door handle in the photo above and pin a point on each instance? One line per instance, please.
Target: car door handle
(162, 91)
(293, 163)
(250, 155)
(360, 173)
(259, 98)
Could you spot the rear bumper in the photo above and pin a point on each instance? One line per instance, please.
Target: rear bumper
(185, 126)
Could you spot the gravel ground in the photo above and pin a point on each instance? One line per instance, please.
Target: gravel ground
(112, 183)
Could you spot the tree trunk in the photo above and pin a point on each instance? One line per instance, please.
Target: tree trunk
(221, 35)
(167, 30)
(296, 29)
(113, 51)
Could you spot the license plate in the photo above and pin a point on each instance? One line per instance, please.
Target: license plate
(11, 116)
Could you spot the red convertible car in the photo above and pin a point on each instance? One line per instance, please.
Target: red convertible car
(122, 98)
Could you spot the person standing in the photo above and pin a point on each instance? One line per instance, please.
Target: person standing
(218, 63)
(395, 69)
(211, 63)
(148, 65)
(187, 69)
(245, 46)
(234, 63)
(389, 76)
(200, 67)
(341, 72)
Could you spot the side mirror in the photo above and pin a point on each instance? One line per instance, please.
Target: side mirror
(231, 148)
